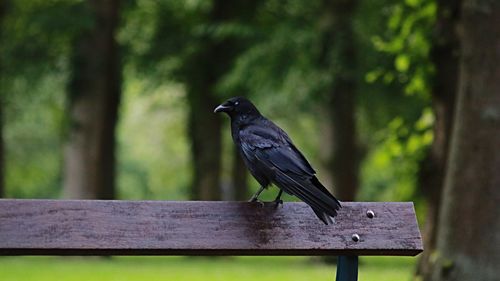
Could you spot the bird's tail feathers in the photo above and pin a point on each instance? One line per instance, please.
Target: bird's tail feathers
(323, 189)
(324, 217)
(310, 191)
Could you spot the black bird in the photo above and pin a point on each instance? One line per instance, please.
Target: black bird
(272, 158)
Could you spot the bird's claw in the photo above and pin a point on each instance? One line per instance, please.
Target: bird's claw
(278, 203)
(255, 199)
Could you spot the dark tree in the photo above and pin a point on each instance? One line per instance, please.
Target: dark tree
(468, 240)
(445, 55)
(2, 145)
(239, 178)
(3, 11)
(93, 97)
(339, 49)
(204, 70)
(205, 135)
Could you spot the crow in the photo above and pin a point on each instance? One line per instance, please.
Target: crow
(272, 158)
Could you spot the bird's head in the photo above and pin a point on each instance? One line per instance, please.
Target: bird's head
(237, 106)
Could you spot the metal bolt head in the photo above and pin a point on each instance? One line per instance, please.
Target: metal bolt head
(355, 237)
(370, 214)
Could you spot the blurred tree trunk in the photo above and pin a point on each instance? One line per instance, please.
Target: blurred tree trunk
(339, 43)
(205, 135)
(239, 177)
(345, 161)
(204, 125)
(206, 68)
(445, 55)
(239, 172)
(468, 241)
(93, 98)
(2, 143)
(3, 11)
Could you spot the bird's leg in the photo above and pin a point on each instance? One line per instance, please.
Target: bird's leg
(255, 197)
(278, 200)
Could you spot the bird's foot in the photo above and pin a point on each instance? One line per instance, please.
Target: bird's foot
(277, 203)
(255, 199)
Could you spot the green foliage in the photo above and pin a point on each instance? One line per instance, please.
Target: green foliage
(38, 34)
(407, 40)
(33, 62)
(391, 169)
(168, 39)
(281, 66)
(153, 148)
(383, 83)
(32, 134)
(397, 113)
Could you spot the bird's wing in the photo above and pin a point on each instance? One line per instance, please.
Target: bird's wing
(298, 153)
(275, 147)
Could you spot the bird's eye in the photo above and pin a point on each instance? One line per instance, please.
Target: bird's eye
(236, 102)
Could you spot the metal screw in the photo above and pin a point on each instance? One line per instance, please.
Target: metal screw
(370, 214)
(355, 237)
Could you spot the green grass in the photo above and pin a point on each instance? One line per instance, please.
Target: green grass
(193, 269)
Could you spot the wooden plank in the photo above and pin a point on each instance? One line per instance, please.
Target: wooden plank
(95, 227)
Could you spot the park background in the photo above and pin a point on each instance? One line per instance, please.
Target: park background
(390, 100)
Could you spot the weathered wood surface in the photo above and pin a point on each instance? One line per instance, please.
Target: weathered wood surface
(94, 227)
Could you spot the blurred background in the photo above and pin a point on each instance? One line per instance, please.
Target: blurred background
(114, 100)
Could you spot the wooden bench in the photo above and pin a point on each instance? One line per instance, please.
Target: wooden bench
(96, 227)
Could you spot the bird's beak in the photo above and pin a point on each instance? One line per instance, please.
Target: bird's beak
(221, 108)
